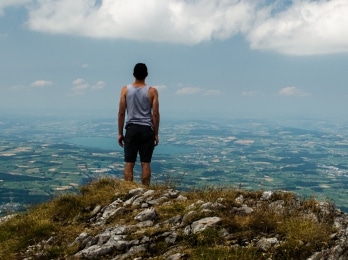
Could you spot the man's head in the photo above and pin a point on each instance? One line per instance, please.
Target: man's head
(140, 71)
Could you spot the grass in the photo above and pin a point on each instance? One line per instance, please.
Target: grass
(300, 224)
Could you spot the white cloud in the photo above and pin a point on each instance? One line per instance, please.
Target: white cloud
(41, 83)
(81, 86)
(10, 3)
(196, 90)
(99, 85)
(180, 21)
(188, 91)
(78, 81)
(249, 93)
(160, 87)
(305, 28)
(292, 91)
(294, 27)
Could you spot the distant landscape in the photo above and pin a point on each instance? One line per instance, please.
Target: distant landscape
(43, 157)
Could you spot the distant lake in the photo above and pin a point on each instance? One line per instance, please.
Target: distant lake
(107, 143)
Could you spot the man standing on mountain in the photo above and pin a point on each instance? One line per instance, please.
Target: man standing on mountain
(140, 102)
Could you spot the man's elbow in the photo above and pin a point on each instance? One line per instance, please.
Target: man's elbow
(121, 114)
(155, 115)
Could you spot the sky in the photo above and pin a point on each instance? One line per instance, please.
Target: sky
(258, 59)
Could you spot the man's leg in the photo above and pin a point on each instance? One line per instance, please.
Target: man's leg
(145, 173)
(131, 141)
(128, 171)
(145, 152)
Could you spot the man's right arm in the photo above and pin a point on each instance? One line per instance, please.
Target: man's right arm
(122, 115)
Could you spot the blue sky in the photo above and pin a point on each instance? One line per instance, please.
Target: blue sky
(208, 58)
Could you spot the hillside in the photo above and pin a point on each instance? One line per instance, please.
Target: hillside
(113, 219)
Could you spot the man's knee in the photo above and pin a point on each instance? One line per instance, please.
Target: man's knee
(146, 173)
(130, 165)
(145, 165)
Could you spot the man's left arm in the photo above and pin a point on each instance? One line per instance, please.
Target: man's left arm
(155, 113)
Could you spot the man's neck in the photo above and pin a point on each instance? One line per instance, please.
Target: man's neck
(139, 83)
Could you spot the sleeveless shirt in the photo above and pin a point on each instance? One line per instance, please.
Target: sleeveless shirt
(139, 107)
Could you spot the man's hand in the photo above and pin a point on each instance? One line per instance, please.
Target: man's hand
(121, 140)
(156, 140)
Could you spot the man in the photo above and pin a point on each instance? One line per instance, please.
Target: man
(140, 101)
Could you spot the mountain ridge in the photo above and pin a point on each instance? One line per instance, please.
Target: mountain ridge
(114, 219)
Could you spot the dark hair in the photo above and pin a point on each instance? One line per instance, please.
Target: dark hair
(140, 71)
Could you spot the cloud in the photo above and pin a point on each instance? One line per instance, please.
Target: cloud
(249, 93)
(81, 86)
(41, 83)
(160, 87)
(292, 91)
(99, 85)
(304, 28)
(195, 90)
(180, 21)
(10, 3)
(188, 91)
(294, 27)
(78, 81)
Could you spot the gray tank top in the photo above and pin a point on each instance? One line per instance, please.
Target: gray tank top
(139, 107)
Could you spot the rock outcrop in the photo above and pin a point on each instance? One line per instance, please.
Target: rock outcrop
(148, 229)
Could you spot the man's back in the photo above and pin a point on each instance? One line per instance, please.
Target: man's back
(139, 105)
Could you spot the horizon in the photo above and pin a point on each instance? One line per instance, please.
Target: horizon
(107, 116)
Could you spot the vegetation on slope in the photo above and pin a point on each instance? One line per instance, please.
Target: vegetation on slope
(67, 216)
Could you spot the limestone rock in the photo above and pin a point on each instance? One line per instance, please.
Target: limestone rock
(147, 214)
(266, 243)
(135, 240)
(202, 224)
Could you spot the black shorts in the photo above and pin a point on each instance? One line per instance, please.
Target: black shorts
(139, 138)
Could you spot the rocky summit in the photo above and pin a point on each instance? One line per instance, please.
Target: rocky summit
(165, 223)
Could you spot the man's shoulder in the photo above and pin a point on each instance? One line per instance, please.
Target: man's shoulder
(153, 89)
(153, 92)
(124, 90)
